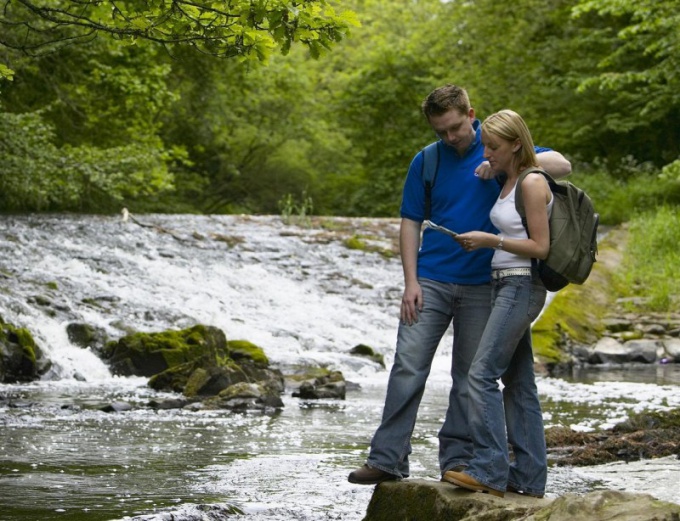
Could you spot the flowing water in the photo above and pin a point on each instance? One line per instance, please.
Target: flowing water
(299, 293)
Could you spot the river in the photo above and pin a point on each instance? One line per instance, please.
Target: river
(299, 293)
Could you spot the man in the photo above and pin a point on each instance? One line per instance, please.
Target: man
(443, 283)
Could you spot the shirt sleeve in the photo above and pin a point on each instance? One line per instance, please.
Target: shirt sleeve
(413, 196)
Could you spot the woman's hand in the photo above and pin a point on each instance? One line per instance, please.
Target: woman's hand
(471, 241)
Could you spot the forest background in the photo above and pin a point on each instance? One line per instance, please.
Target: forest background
(288, 106)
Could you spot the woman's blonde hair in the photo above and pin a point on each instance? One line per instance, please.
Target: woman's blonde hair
(508, 125)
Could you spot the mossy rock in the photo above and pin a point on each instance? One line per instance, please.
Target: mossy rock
(213, 380)
(86, 336)
(147, 354)
(242, 350)
(19, 355)
(576, 313)
(365, 351)
(245, 396)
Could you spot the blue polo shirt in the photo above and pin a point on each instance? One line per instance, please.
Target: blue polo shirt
(461, 202)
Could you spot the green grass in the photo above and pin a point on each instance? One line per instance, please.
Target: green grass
(650, 266)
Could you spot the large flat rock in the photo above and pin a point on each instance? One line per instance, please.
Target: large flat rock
(426, 500)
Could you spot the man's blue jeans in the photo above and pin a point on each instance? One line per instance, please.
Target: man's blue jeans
(505, 352)
(468, 307)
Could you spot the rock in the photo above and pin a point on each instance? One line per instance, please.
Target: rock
(116, 407)
(241, 350)
(644, 351)
(245, 396)
(422, 500)
(672, 349)
(147, 354)
(170, 403)
(610, 505)
(367, 352)
(608, 351)
(617, 324)
(654, 329)
(209, 512)
(331, 385)
(21, 360)
(310, 391)
(85, 335)
(643, 435)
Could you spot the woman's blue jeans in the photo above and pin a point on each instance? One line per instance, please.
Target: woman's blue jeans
(468, 307)
(505, 353)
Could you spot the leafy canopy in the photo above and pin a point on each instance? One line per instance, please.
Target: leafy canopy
(245, 29)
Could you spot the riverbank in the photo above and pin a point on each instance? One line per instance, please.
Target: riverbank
(589, 324)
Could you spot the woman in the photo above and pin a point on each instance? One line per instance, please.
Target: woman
(505, 349)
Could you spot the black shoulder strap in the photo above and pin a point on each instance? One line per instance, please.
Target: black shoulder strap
(430, 169)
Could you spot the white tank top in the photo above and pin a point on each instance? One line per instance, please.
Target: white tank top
(504, 216)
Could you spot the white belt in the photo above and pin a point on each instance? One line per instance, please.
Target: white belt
(510, 272)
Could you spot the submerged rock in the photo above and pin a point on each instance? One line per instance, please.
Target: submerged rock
(642, 436)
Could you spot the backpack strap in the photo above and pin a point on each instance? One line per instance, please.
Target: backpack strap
(519, 202)
(429, 174)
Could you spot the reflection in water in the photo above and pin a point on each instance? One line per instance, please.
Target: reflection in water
(660, 374)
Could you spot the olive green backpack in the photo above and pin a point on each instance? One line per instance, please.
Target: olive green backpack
(573, 233)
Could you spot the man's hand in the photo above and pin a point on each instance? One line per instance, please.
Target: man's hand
(411, 304)
(484, 171)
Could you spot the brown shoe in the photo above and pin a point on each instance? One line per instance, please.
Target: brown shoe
(457, 468)
(524, 492)
(367, 475)
(463, 480)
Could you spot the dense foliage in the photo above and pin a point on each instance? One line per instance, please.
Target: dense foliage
(173, 106)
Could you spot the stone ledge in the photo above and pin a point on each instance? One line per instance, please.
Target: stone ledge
(426, 500)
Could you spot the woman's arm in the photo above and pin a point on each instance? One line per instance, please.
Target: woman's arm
(536, 195)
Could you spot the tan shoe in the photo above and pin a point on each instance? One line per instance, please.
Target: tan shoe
(367, 475)
(463, 480)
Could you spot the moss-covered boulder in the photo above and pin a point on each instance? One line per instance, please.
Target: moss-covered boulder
(210, 381)
(147, 354)
(365, 351)
(197, 362)
(87, 336)
(245, 351)
(252, 360)
(21, 360)
(575, 317)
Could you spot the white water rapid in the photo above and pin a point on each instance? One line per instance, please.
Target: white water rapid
(298, 292)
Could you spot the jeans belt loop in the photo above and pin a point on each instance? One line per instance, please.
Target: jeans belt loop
(510, 272)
